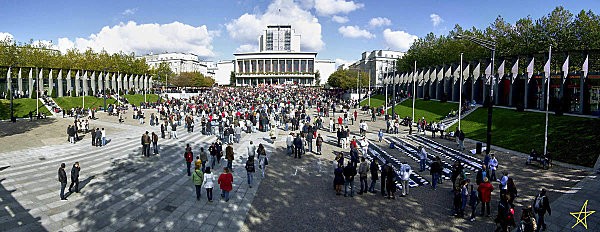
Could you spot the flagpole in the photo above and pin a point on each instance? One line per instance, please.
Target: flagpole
(460, 90)
(547, 101)
(37, 94)
(414, 92)
(369, 89)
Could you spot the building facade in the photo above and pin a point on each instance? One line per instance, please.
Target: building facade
(278, 61)
(178, 62)
(377, 64)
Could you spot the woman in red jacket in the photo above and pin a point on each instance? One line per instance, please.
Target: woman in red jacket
(485, 191)
(225, 182)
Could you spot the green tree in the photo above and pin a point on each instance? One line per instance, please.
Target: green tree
(348, 79)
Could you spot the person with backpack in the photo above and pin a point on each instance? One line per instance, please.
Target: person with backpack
(528, 222)
(250, 169)
(506, 215)
(198, 179)
(405, 172)
(363, 170)
(541, 205)
(189, 157)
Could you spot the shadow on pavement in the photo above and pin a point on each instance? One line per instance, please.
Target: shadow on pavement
(22, 126)
(13, 216)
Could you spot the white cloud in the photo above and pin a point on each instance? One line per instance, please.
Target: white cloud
(436, 19)
(247, 48)
(398, 40)
(248, 27)
(379, 21)
(6, 36)
(340, 19)
(146, 38)
(355, 32)
(130, 11)
(332, 7)
(339, 62)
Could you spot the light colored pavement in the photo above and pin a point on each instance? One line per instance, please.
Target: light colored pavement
(120, 190)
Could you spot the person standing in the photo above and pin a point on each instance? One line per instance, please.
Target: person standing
(197, 178)
(155, 143)
(481, 174)
(209, 180)
(380, 135)
(229, 156)
(383, 179)
(485, 191)
(461, 140)
(62, 178)
(541, 205)
(262, 159)
(93, 133)
(435, 171)
(374, 167)
(363, 170)
(146, 140)
(493, 164)
(189, 157)
(422, 158)
(390, 181)
(405, 172)
(338, 179)
(203, 159)
(289, 141)
(309, 140)
(250, 170)
(251, 149)
(98, 137)
(174, 130)
(225, 182)
(298, 147)
(75, 177)
(319, 144)
(349, 173)
(103, 133)
(473, 201)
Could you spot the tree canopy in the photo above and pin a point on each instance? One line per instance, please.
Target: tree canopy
(569, 34)
(192, 79)
(347, 79)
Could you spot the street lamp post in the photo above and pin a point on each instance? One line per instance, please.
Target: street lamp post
(460, 83)
(394, 92)
(490, 45)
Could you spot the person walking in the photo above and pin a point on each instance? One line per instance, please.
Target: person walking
(380, 135)
(319, 143)
(203, 159)
(485, 191)
(309, 141)
(383, 179)
(189, 157)
(75, 177)
(250, 169)
(349, 173)
(154, 143)
(62, 178)
(298, 147)
(262, 159)
(464, 193)
(229, 156)
(405, 172)
(493, 165)
(363, 170)
(374, 167)
(473, 201)
(198, 179)
(208, 184)
(435, 171)
(174, 130)
(251, 149)
(541, 205)
(225, 183)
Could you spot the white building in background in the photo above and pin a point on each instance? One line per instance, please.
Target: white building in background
(278, 61)
(179, 62)
(377, 63)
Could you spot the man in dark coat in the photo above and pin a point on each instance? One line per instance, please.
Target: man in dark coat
(349, 173)
(98, 137)
(298, 147)
(93, 137)
(62, 178)
(75, 177)
(309, 140)
(541, 205)
(374, 167)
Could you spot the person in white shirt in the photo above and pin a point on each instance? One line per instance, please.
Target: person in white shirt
(251, 149)
(364, 146)
(103, 137)
(422, 158)
(405, 172)
(209, 182)
(289, 141)
(493, 164)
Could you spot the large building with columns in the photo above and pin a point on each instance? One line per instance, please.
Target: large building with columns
(278, 61)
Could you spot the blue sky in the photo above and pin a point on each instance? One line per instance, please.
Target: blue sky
(339, 30)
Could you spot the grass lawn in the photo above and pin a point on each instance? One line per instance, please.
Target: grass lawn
(138, 98)
(22, 107)
(376, 101)
(570, 139)
(90, 102)
(431, 110)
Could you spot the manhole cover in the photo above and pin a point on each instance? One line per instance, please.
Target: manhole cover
(170, 208)
(42, 158)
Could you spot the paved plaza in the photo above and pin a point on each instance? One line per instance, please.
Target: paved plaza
(122, 191)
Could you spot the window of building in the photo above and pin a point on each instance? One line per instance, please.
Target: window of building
(296, 66)
(311, 66)
(288, 66)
